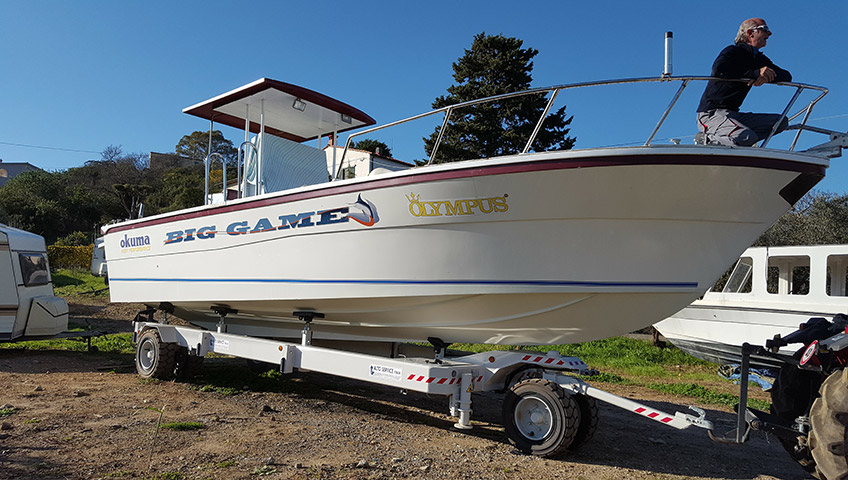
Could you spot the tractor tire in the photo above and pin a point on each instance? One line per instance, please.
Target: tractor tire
(829, 435)
(154, 358)
(792, 394)
(540, 418)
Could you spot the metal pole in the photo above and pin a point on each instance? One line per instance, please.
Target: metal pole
(260, 183)
(667, 110)
(441, 134)
(240, 160)
(541, 121)
(667, 65)
(741, 424)
(335, 173)
(207, 161)
(782, 116)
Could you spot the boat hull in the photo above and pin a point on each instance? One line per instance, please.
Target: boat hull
(544, 248)
(716, 334)
(785, 287)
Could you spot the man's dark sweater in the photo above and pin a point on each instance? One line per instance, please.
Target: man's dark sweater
(736, 61)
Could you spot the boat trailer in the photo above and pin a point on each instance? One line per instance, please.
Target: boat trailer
(547, 408)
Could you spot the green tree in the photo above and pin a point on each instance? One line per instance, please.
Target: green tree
(118, 179)
(196, 145)
(819, 218)
(177, 188)
(32, 202)
(370, 145)
(496, 65)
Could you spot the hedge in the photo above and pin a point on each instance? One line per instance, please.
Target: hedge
(70, 257)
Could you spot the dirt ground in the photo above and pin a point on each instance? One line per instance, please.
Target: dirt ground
(89, 416)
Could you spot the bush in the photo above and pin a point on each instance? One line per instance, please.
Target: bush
(76, 239)
(78, 257)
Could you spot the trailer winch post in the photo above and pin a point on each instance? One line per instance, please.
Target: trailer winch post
(744, 417)
(741, 409)
(464, 409)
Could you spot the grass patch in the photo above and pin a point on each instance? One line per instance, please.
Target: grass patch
(167, 476)
(607, 378)
(705, 395)
(6, 412)
(119, 343)
(72, 282)
(234, 379)
(226, 391)
(183, 426)
(119, 474)
(226, 464)
(617, 352)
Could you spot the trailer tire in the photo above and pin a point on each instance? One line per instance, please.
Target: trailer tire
(589, 417)
(829, 435)
(540, 418)
(186, 365)
(154, 358)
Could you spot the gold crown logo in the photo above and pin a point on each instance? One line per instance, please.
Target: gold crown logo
(413, 198)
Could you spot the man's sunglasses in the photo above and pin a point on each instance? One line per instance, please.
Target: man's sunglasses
(762, 27)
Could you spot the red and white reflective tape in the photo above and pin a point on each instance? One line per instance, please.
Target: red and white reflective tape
(553, 361)
(439, 381)
(653, 414)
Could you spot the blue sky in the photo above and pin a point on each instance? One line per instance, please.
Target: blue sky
(79, 76)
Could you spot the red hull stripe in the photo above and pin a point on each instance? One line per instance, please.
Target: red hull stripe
(479, 171)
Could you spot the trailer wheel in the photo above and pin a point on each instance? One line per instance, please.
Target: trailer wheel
(829, 435)
(540, 418)
(589, 417)
(154, 358)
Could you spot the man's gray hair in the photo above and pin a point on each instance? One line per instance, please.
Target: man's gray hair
(742, 34)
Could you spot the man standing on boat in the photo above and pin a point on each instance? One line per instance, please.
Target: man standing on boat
(719, 120)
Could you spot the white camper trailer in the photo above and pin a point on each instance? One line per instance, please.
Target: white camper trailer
(28, 308)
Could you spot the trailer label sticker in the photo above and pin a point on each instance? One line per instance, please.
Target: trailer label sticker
(389, 373)
(219, 345)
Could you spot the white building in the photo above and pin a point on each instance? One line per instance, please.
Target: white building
(359, 163)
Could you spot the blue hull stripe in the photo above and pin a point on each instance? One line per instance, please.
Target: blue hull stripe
(542, 283)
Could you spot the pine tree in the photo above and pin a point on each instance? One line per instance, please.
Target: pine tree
(496, 65)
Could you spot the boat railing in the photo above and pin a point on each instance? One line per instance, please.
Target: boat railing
(207, 162)
(241, 160)
(553, 91)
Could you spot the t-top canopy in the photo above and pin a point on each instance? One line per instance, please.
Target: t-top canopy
(291, 112)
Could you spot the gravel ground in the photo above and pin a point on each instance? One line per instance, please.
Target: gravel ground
(86, 416)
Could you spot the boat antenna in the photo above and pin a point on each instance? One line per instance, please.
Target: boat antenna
(667, 66)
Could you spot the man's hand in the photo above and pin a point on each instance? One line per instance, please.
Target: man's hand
(766, 75)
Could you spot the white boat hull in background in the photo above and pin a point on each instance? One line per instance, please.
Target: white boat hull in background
(715, 327)
(542, 248)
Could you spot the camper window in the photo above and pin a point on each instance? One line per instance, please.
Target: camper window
(34, 269)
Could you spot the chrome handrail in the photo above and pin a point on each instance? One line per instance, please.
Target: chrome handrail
(554, 90)
(241, 161)
(208, 162)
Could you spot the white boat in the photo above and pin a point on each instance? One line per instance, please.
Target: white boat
(771, 291)
(531, 248)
